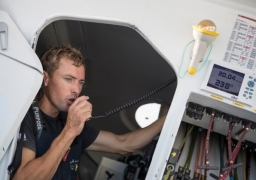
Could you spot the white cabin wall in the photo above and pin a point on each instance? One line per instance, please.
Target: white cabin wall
(21, 77)
(167, 25)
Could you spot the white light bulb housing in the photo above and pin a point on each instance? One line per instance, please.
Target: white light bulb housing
(204, 34)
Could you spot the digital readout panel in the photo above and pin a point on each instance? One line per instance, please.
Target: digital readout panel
(225, 79)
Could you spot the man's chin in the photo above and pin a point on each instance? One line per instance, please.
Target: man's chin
(64, 108)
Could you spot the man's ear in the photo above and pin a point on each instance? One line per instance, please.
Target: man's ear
(46, 78)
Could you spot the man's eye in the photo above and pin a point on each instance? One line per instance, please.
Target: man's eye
(68, 79)
(81, 83)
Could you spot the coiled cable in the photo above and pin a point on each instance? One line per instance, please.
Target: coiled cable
(129, 104)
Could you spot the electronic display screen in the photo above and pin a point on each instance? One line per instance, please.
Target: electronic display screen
(225, 79)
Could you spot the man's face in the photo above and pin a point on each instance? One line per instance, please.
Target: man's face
(65, 84)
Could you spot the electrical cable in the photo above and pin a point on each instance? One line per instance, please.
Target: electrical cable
(206, 59)
(186, 137)
(181, 148)
(207, 166)
(191, 149)
(231, 163)
(207, 141)
(198, 151)
(235, 172)
(131, 103)
(200, 155)
(203, 155)
(183, 59)
(166, 176)
(186, 166)
(211, 141)
(234, 154)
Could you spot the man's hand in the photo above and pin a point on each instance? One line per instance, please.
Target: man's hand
(79, 112)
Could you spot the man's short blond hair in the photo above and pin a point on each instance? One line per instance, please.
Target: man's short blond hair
(50, 59)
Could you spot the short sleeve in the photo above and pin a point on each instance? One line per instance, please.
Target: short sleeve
(88, 135)
(28, 126)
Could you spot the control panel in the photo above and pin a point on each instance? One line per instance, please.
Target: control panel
(230, 82)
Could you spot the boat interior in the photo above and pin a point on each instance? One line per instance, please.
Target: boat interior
(121, 66)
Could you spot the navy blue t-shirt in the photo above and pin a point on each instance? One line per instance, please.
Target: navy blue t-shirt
(54, 126)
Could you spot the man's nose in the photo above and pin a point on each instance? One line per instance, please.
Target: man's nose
(76, 89)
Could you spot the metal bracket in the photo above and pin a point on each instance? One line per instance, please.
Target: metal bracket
(173, 161)
(3, 35)
(174, 156)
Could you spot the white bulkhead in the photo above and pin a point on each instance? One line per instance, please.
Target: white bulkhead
(224, 81)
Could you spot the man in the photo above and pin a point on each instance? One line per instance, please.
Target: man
(56, 154)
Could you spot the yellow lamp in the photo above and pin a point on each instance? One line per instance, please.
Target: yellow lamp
(204, 33)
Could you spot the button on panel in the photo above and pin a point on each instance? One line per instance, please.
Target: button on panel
(247, 92)
(250, 84)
